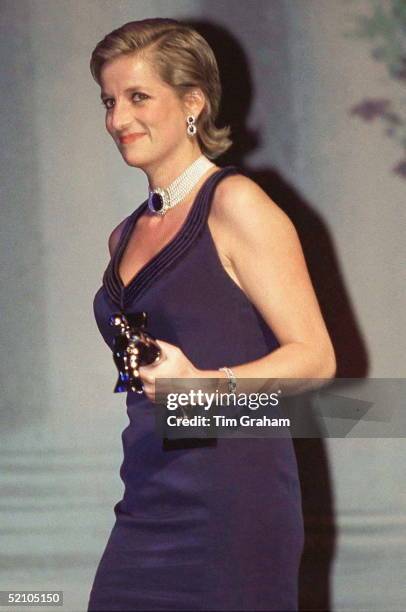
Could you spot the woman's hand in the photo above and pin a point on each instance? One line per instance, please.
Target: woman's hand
(172, 364)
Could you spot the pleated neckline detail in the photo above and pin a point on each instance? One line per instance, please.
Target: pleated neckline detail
(125, 295)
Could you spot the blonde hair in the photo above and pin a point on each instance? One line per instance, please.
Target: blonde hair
(183, 59)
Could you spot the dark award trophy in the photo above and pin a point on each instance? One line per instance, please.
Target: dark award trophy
(133, 347)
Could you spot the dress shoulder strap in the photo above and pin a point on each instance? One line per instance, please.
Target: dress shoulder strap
(210, 187)
(201, 209)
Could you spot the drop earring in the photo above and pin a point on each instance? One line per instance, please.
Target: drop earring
(191, 125)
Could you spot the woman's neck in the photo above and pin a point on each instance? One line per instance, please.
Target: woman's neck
(165, 173)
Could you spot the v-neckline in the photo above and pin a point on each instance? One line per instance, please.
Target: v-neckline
(125, 238)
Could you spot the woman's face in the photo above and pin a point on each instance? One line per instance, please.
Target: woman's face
(144, 116)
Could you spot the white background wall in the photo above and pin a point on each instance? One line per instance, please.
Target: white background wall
(65, 187)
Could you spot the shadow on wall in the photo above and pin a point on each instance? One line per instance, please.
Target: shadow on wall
(335, 303)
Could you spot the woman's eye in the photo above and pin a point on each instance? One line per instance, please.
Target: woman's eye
(139, 97)
(106, 103)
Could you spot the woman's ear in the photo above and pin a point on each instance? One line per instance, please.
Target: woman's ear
(194, 102)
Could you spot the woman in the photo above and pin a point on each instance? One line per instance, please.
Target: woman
(219, 269)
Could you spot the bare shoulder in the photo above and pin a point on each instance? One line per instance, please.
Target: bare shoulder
(241, 202)
(115, 236)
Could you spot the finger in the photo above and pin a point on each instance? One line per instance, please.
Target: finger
(166, 347)
(163, 353)
(149, 391)
(158, 360)
(146, 375)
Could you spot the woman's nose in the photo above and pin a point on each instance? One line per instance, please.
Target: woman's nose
(121, 116)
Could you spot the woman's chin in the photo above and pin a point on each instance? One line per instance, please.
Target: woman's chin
(137, 159)
(132, 159)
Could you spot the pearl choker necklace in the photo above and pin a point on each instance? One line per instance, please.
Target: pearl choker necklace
(160, 200)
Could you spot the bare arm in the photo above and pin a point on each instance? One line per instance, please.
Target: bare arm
(263, 248)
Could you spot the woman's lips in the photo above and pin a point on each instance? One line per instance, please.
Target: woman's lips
(130, 138)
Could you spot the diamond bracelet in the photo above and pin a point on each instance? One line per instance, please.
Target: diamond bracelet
(232, 379)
